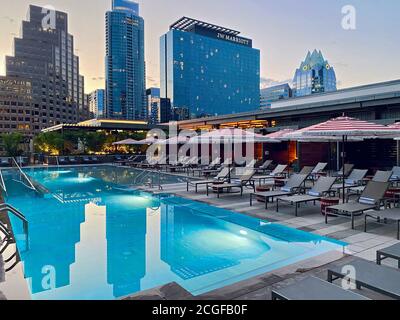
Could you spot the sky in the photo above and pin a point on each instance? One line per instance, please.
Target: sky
(284, 30)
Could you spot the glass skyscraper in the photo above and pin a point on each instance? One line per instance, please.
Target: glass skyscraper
(275, 93)
(208, 69)
(125, 65)
(44, 55)
(315, 75)
(96, 103)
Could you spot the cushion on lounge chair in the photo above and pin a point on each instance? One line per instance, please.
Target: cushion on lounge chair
(313, 193)
(286, 189)
(365, 200)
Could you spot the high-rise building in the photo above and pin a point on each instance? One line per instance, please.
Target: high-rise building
(125, 65)
(208, 69)
(315, 75)
(44, 56)
(97, 103)
(275, 93)
(153, 105)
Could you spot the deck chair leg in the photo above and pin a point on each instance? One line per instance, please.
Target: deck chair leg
(352, 221)
(365, 223)
(187, 186)
(296, 208)
(266, 202)
(251, 199)
(277, 204)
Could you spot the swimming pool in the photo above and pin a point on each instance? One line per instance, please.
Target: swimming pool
(89, 239)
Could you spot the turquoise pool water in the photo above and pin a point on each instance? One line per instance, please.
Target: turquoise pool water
(88, 239)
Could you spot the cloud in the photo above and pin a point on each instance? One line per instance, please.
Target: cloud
(98, 78)
(340, 65)
(268, 82)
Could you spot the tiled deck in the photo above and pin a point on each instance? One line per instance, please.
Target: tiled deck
(361, 244)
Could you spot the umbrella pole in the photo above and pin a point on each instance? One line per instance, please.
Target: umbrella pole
(343, 162)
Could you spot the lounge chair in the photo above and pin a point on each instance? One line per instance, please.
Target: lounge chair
(73, 160)
(322, 188)
(306, 170)
(319, 168)
(370, 199)
(382, 279)
(277, 172)
(264, 167)
(245, 180)
(355, 179)
(380, 176)
(5, 162)
(62, 161)
(312, 288)
(292, 186)
(384, 217)
(392, 252)
(202, 168)
(221, 177)
(347, 170)
(86, 159)
(396, 174)
(95, 160)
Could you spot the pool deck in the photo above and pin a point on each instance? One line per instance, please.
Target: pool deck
(361, 244)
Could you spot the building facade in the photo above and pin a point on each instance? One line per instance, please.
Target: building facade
(125, 63)
(273, 94)
(96, 102)
(315, 75)
(209, 70)
(44, 55)
(153, 105)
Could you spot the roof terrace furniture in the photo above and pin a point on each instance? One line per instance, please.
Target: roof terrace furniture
(264, 167)
(62, 160)
(392, 252)
(291, 187)
(320, 189)
(86, 159)
(73, 160)
(277, 172)
(319, 169)
(380, 176)
(221, 177)
(355, 178)
(312, 288)
(384, 217)
(370, 199)
(347, 170)
(382, 279)
(245, 180)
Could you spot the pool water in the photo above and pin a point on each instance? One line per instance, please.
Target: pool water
(91, 239)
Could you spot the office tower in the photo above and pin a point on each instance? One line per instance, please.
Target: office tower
(315, 75)
(209, 70)
(275, 93)
(125, 65)
(97, 103)
(44, 55)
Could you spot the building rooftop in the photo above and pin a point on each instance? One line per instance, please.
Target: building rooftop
(186, 24)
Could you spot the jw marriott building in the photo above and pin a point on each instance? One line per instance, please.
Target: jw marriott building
(208, 69)
(43, 62)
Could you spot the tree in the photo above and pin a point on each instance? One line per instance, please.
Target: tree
(94, 141)
(11, 143)
(49, 142)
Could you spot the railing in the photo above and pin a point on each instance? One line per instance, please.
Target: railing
(58, 162)
(2, 183)
(19, 215)
(145, 174)
(23, 174)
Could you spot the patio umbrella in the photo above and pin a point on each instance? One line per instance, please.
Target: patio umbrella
(229, 135)
(176, 140)
(345, 127)
(125, 142)
(149, 140)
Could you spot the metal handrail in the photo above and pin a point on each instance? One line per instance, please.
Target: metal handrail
(17, 213)
(31, 186)
(2, 183)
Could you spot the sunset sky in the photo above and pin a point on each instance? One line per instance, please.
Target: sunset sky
(284, 30)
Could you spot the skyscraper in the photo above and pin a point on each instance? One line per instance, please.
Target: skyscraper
(125, 65)
(96, 103)
(315, 75)
(275, 93)
(44, 55)
(208, 69)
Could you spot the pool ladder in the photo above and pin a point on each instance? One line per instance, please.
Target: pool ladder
(143, 175)
(8, 237)
(22, 175)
